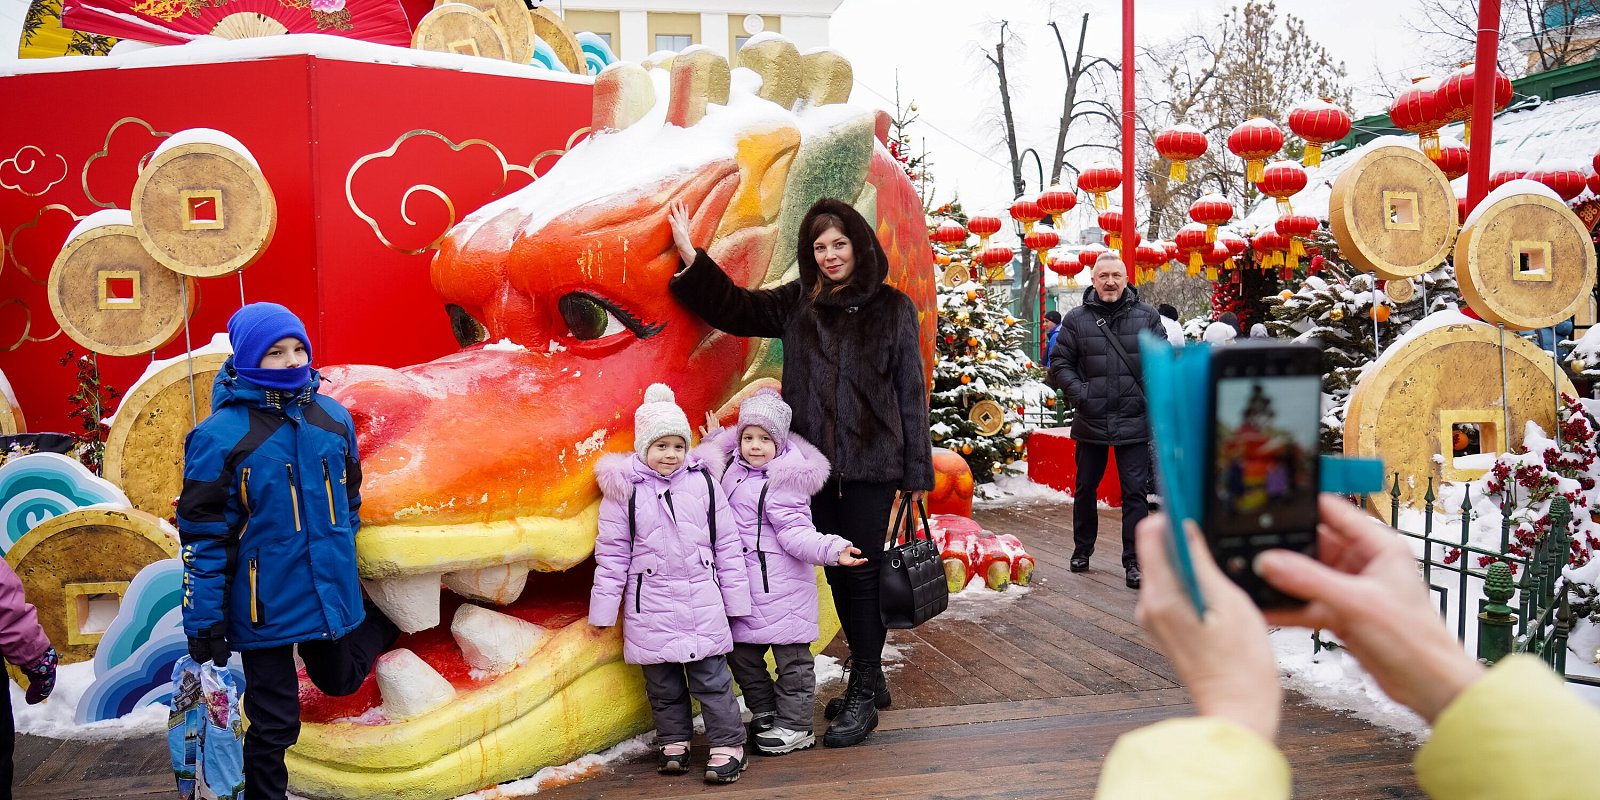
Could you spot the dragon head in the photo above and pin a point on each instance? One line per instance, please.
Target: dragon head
(478, 466)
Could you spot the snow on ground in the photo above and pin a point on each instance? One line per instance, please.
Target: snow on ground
(56, 717)
(1333, 679)
(1012, 488)
(977, 601)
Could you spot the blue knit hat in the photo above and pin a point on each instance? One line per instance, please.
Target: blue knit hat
(253, 330)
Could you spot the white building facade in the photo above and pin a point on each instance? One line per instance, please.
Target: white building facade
(637, 28)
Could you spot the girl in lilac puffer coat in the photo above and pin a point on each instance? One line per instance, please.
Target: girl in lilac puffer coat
(668, 554)
(770, 477)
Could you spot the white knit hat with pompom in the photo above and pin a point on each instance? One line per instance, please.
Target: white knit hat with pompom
(659, 416)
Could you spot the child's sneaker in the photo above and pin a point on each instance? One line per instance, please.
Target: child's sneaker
(732, 763)
(673, 759)
(781, 740)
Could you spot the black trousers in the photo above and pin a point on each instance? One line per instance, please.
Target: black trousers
(858, 511)
(272, 695)
(8, 743)
(1133, 471)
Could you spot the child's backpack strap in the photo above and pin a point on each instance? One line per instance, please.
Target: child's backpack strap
(632, 525)
(761, 515)
(711, 506)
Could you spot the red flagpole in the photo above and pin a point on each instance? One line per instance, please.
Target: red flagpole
(1483, 80)
(1128, 128)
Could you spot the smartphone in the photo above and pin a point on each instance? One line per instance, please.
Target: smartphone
(1263, 457)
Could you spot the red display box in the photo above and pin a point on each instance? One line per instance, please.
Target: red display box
(369, 164)
(1052, 461)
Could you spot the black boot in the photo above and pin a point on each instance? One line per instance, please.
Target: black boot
(880, 699)
(860, 714)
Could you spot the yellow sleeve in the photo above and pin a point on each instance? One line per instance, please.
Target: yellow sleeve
(1517, 732)
(1195, 758)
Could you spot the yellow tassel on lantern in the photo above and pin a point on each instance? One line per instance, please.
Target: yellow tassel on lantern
(1228, 264)
(1114, 240)
(1254, 170)
(1284, 208)
(1211, 274)
(1211, 233)
(1313, 155)
(1194, 263)
(1179, 171)
(1293, 262)
(1466, 132)
(1297, 249)
(1101, 202)
(1430, 145)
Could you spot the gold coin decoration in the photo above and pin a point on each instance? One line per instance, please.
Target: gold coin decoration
(511, 17)
(1393, 212)
(1407, 408)
(1526, 261)
(955, 275)
(75, 568)
(11, 419)
(461, 29)
(988, 416)
(112, 297)
(550, 27)
(1400, 290)
(144, 448)
(204, 208)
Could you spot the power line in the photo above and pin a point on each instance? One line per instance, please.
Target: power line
(952, 137)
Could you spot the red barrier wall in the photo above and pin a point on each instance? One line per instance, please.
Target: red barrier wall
(1052, 461)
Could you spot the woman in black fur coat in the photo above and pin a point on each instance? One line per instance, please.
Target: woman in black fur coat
(853, 373)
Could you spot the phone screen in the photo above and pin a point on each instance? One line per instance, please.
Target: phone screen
(1264, 446)
(1267, 429)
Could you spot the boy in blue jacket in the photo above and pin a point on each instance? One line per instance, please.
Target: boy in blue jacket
(268, 518)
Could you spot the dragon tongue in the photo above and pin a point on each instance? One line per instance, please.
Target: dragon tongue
(410, 601)
(501, 585)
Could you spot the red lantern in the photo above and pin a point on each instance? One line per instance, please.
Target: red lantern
(1255, 140)
(1565, 181)
(995, 257)
(1419, 111)
(1282, 180)
(1181, 144)
(1191, 243)
(1110, 221)
(984, 227)
(1596, 163)
(1452, 160)
(1293, 228)
(1100, 180)
(1594, 183)
(1172, 250)
(1065, 267)
(1214, 256)
(1088, 255)
(1147, 258)
(1511, 171)
(1318, 122)
(1041, 240)
(1114, 240)
(1211, 210)
(1026, 211)
(1455, 97)
(949, 232)
(1236, 244)
(1057, 200)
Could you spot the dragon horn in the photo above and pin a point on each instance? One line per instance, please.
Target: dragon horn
(778, 63)
(699, 77)
(828, 77)
(623, 94)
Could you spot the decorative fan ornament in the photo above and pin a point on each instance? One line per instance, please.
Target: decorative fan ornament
(177, 21)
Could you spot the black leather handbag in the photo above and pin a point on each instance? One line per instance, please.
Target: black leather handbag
(912, 588)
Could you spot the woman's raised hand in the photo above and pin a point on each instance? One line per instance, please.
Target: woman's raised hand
(678, 217)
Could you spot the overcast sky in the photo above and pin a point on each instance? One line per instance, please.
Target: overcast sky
(932, 44)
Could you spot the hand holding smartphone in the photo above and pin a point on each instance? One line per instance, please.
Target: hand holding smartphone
(1262, 458)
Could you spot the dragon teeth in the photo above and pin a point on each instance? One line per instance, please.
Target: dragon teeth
(499, 585)
(410, 688)
(411, 601)
(492, 641)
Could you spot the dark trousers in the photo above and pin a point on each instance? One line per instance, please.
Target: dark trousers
(858, 511)
(8, 743)
(669, 685)
(791, 696)
(272, 695)
(1133, 471)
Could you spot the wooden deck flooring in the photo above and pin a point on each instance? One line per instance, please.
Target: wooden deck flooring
(1022, 704)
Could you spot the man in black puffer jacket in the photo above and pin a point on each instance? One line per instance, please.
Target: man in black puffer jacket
(1106, 389)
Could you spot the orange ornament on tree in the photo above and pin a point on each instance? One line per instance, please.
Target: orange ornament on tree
(1379, 312)
(1318, 122)
(1255, 140)
(1181, 144)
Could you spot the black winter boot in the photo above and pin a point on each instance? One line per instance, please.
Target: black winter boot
(880, 699)
(860, 714)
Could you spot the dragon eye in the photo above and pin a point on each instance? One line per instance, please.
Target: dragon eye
(589, 317)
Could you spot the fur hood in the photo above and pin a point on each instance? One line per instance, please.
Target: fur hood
(618, 473)
(800, 468)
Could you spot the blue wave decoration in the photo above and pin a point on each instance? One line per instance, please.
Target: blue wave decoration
(38, 486)
(145, 679)
(153, 595)
(544, 56)
(597, 54)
